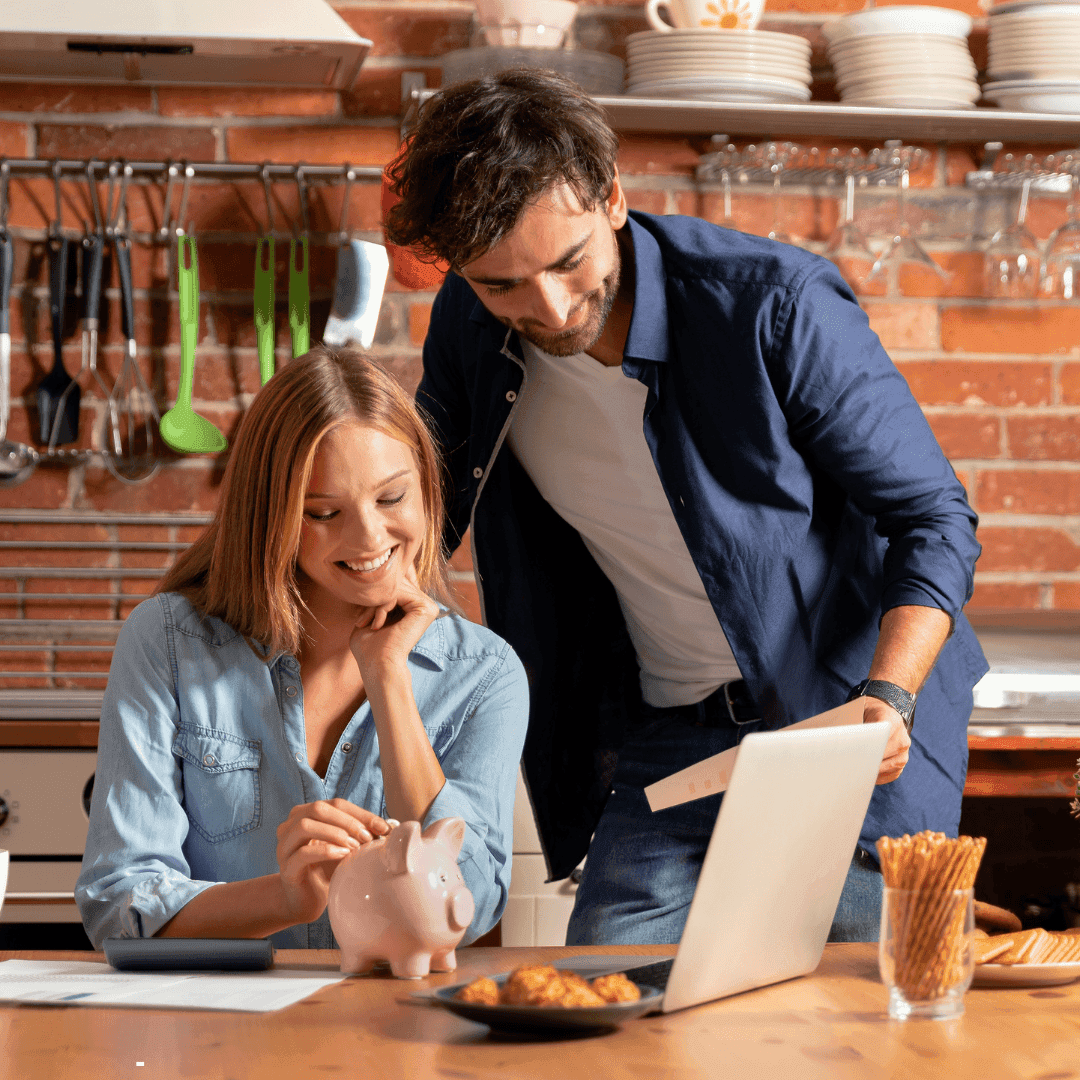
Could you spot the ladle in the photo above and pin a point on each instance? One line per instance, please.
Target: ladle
(182, 427)
(17, 460)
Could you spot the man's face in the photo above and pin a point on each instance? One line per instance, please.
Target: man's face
(555, 276)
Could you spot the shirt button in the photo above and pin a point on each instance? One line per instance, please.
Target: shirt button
(209, 761)
(291, 691)
(511, 395)
(478, 472)
(299, 756)
(346, 747)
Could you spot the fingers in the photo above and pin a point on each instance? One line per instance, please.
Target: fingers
(334, 821)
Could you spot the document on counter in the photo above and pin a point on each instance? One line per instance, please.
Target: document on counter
(713, 775)
(79, 982)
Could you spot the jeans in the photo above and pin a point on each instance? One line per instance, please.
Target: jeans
(642, 867)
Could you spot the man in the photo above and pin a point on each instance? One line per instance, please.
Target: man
(696, 485)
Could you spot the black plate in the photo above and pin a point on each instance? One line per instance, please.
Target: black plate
(533, 1019)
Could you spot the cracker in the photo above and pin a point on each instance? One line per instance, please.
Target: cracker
(987, 950)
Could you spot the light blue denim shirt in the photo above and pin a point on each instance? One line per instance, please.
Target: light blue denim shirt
(202, 754)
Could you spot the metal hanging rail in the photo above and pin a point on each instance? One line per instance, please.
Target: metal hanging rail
(218, 170)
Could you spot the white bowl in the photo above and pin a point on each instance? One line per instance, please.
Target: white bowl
(899, 19)
(758, 37)
(536, 24)
(1038, 97)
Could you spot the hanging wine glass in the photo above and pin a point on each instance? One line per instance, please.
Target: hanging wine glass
(776, 159)
(1061, 263)
(1011, 260)
(847, 247)
(903, 247)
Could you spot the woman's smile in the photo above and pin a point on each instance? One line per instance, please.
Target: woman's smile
(367, 566)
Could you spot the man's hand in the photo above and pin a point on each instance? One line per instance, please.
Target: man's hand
(896, 749)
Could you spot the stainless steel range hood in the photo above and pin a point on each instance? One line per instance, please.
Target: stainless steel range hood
(292, 43)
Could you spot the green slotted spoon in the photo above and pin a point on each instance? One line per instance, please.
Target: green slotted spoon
(299, 297)
(182, 427)
(264, 306)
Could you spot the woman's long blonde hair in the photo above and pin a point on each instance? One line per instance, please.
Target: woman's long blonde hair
(242, 569)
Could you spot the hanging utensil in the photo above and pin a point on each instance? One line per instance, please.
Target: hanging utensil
(182, 427)
(57, 394)
(299, 289)
(358, 290)
(133, 455)
(264, 287)
(17, 460)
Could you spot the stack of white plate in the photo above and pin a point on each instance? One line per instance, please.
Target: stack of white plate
(719, 65)
(913, 57)
(1034, 56)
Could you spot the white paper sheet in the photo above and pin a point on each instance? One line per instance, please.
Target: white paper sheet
(79, 982)
(714, 773)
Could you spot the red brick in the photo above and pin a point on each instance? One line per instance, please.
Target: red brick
(66, 608)
(954, 382)
(965, 269)
(1005, 596)
(814, 7)
(116, 141)
(1070, 384)
(145, 534)
(462, 557)
(45, 489)
(317, 144)
(1029, 491)
(174, 488)
(377, 91)
(648, 202)
(406, 369)
(221, 375)
(14, 140)
(1018, 549)
(419, 317)
(1050, 438)
(967, 435)
(468, 598)
(419, 30)
(904, 326)
(67, 98)
(73, 556)
(1010, 329)
(217, 101)
(1045, 213)
(959, 161)
(1067, 595)
(657, 155)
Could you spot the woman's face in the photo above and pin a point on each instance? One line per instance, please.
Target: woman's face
(364, 520)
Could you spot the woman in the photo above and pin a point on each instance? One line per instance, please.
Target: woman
(293, 683)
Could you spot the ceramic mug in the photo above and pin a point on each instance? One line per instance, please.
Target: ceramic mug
(534, 24)
(705, 14)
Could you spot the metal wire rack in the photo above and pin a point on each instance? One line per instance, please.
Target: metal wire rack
(58, 639)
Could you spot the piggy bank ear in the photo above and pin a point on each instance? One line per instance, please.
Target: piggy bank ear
(403, 848)
(449, 830)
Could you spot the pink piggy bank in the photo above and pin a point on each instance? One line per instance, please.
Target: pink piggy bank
(402, 898)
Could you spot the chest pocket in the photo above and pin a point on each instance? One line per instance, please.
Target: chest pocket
(221, 781)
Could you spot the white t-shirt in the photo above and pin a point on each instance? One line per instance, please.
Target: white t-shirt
(577, 431)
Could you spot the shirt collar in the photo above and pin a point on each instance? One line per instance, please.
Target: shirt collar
(647, 338)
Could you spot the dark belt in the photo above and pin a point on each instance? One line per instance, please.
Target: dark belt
(730, 703)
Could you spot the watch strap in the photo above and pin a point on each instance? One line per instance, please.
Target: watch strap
(891, 694)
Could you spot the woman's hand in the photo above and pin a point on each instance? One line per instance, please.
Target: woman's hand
(385, 635)
(312, 840)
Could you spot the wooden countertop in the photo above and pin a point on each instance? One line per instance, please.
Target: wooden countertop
(831, 1024)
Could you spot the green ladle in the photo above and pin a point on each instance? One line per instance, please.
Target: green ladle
(264, 306)
(182, 427)
(299, 297)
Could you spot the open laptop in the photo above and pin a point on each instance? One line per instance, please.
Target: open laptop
(774, 869)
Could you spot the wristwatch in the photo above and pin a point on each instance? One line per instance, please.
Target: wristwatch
(891, 694)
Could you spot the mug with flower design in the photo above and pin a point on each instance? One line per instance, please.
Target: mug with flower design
(704, 14)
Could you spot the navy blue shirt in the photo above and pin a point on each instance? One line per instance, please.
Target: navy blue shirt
(802, 474)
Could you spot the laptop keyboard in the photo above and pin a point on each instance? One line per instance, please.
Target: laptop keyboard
(654, 975)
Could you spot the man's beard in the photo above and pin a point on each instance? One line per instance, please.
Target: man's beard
(581, 338)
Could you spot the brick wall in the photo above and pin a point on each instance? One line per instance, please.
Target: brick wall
(999, 380)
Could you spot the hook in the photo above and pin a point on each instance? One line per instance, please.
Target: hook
(91, 183)
(185, 190)
(58, 224)
(5, 175)
(264, 172)
(171, 172)
(302, 189)
(124, 169)
(343, 224)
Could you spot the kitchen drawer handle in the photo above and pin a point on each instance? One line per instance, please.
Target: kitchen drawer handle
(26, 896)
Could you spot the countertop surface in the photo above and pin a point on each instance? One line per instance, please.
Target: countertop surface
(829, 1024)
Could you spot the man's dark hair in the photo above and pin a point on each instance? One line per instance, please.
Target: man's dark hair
(485, 149)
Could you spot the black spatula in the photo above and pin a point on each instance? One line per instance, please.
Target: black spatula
(59, 419)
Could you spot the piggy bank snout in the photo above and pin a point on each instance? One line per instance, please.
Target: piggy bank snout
(462, 909)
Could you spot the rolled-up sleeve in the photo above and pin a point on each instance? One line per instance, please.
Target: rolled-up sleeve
(851, 411)
(134, 876)
(480, 767)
